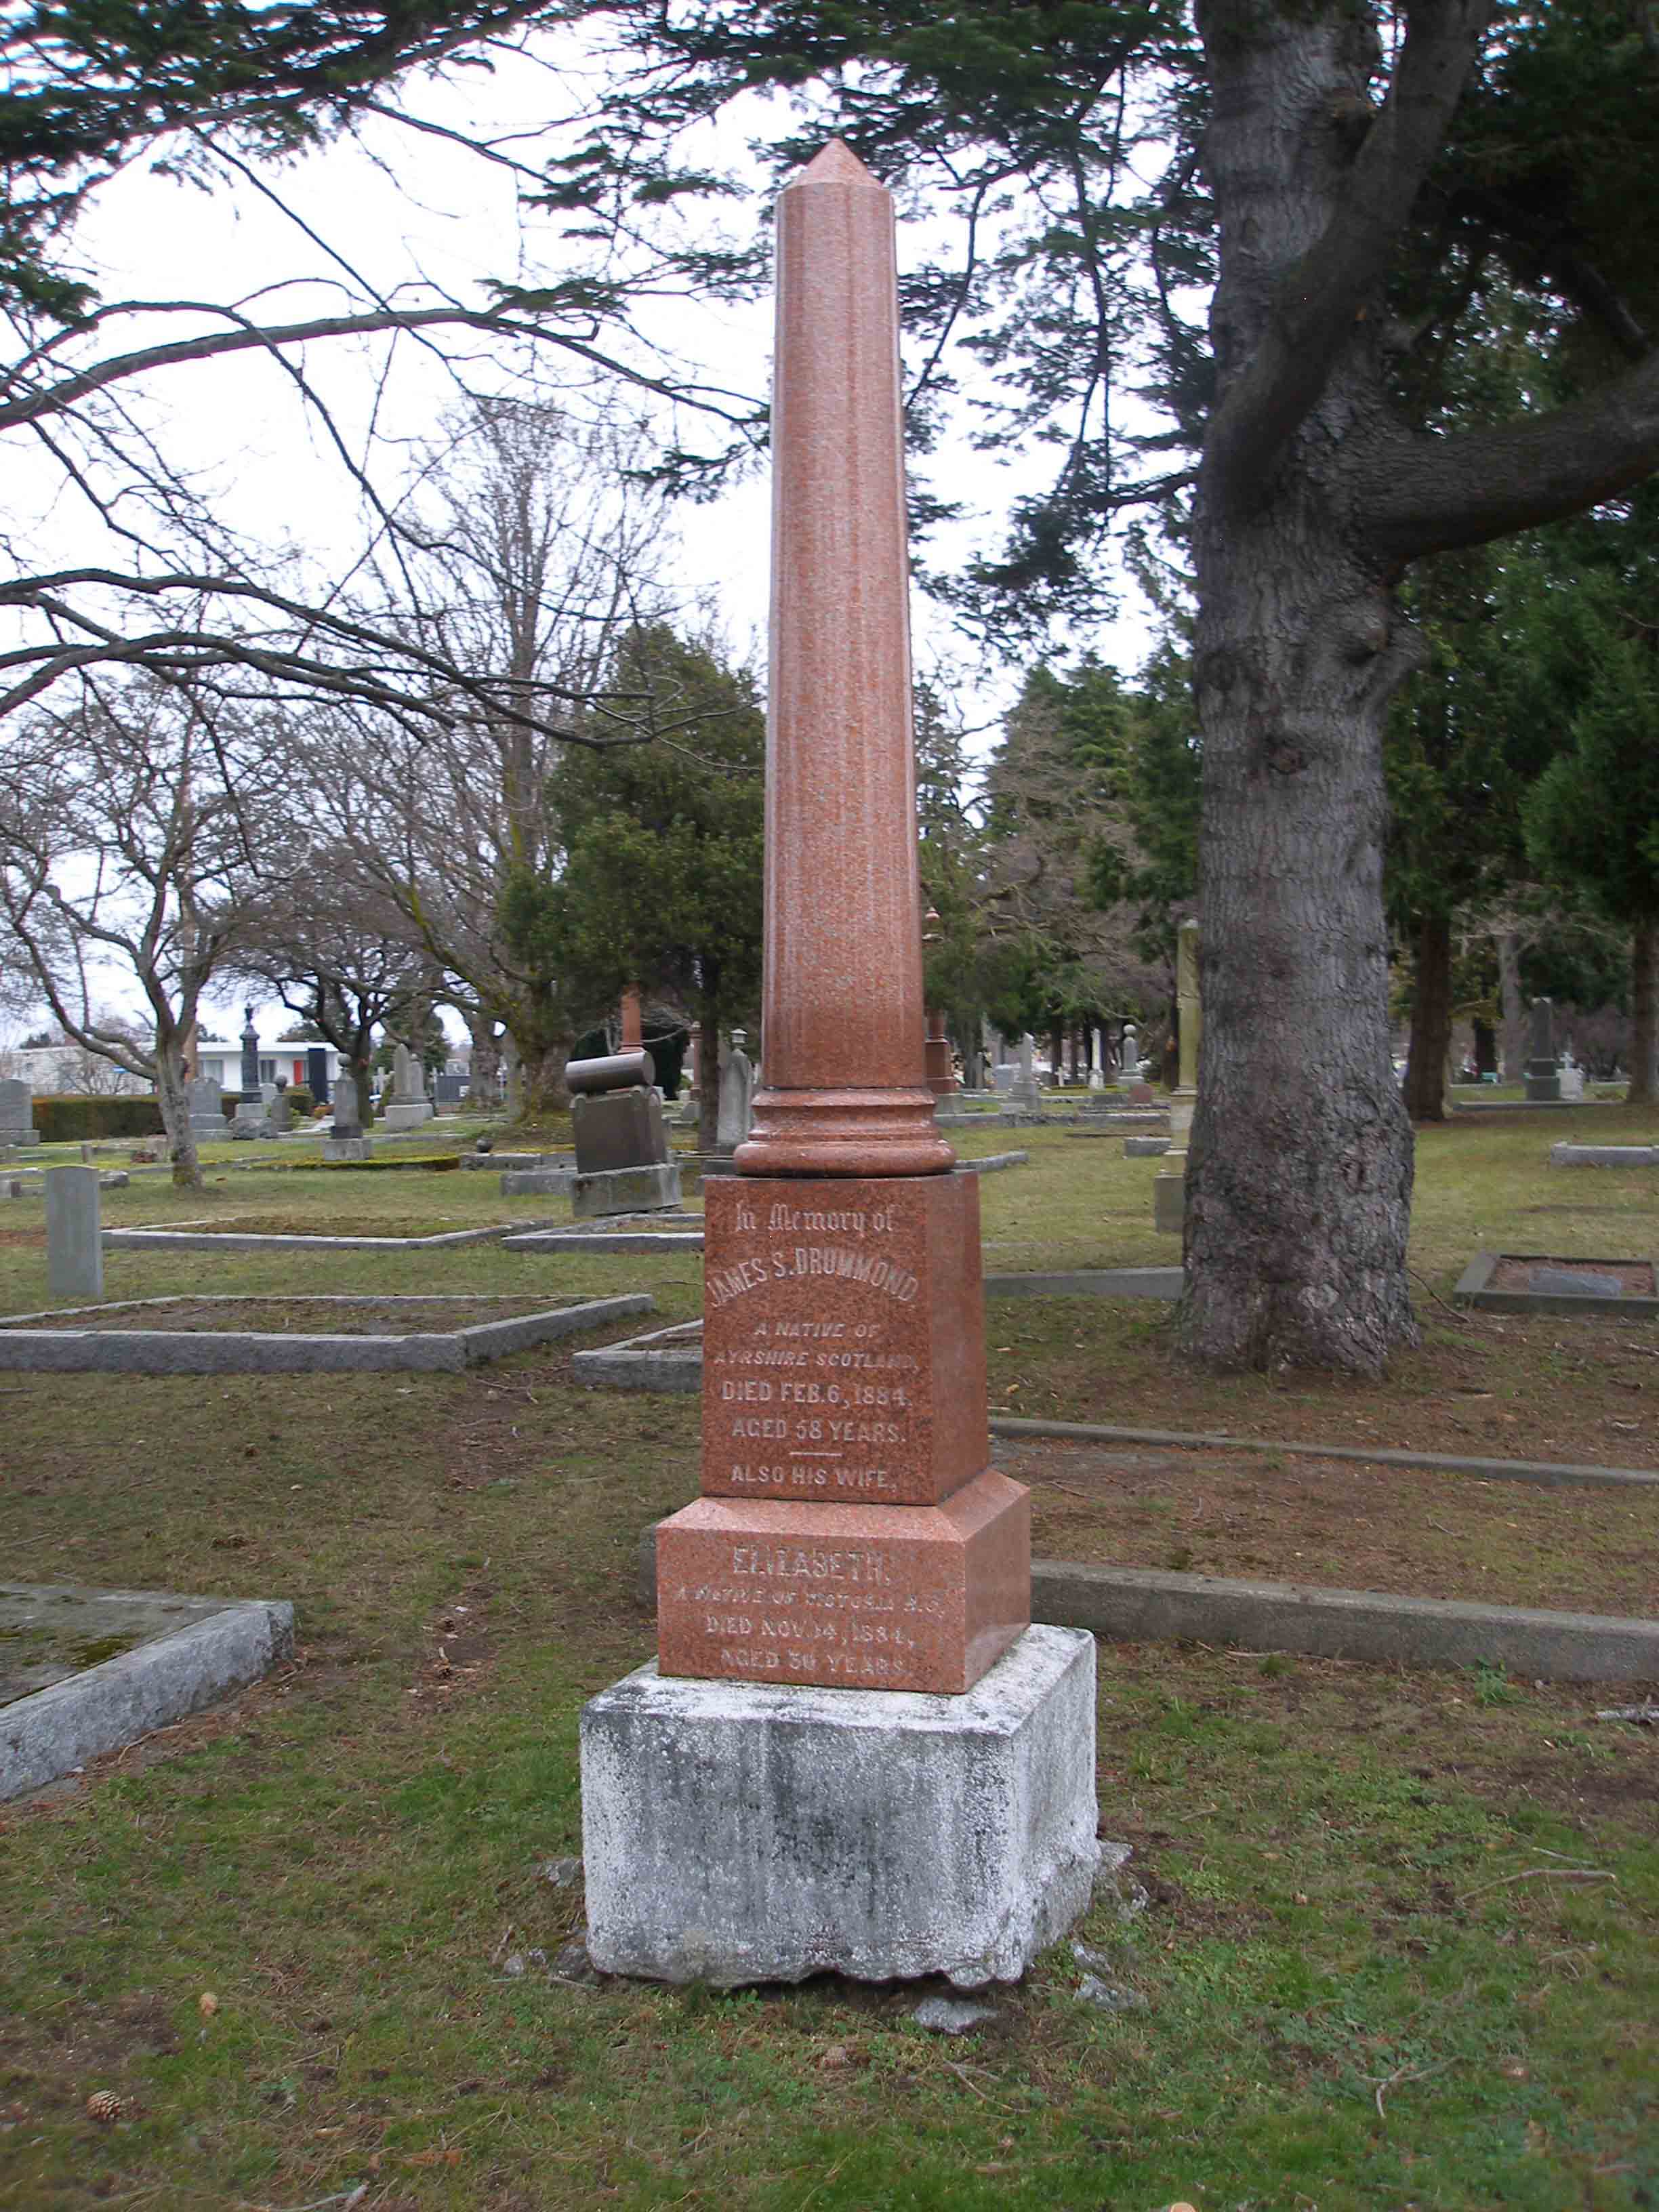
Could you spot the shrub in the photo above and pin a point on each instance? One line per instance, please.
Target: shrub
(77, 1120)
(300, 1102)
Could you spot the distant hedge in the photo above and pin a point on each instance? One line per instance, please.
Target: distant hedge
(75, 1120)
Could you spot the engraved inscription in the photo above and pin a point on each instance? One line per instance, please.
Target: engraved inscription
(813, 1612)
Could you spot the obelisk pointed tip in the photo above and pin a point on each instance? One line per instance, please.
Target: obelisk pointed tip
(835, 164)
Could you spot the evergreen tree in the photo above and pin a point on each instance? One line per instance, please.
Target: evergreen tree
(659, 879)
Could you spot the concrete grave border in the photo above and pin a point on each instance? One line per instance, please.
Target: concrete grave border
(623, 1238)
(250, 1240)
(1604, 1156)
(252, 1352)
(671, 1359)
(1474, 1287)
(1146, 1605)
(226, 1643)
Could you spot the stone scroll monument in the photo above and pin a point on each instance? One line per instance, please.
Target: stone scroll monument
(854, 1752)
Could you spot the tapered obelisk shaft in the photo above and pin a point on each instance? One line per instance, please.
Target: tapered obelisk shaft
(845, 1091)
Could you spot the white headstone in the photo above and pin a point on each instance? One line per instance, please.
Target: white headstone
(737, 1108)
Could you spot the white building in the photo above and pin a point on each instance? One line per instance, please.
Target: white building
(222, 1058)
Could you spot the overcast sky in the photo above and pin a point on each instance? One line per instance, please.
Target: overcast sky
(398, 209)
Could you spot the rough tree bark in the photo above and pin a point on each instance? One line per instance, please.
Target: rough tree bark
(1313, 499)
(170, 1095)
(1644, 1030)
(1431, 1020)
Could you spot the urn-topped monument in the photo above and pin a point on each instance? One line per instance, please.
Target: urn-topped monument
(854, 1752)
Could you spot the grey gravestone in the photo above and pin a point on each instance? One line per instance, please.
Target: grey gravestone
(736, 1109)
(348, 1117)
(75, 1242)
(619, 1129)
(1571, 1081)
(280, 1114)
(17, 1113)
(204, 1100)
(410, 1105)
(250, 1052)
(1543, 1077)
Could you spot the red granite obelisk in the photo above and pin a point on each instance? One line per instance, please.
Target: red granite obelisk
(851, 1530)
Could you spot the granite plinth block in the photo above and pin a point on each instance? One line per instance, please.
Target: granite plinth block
(348, 1148)
(1542, 1079)
(408, 1113)
(1145, 1148)
(844, 1338)
(1169, 1204)
(740, 1832)
(868, 1596)
(617, 1128)
(9, 1138)
(625, 1190)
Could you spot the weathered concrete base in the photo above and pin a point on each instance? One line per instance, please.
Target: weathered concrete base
(407, 1114)
(1169, 1204)
(736, 1832)
(11, 1137)
(186, 1652)
(1604, 1156)
(348, 1148)
(625, 1190)
(1145, 1148)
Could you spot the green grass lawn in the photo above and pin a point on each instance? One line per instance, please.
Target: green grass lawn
(1398, 1942)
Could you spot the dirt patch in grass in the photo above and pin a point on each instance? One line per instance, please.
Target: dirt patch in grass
(1339, 1524)
(1583, 1388)
(301, 1316)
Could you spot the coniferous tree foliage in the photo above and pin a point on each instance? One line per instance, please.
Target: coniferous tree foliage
(658, 881)
(1590, 818)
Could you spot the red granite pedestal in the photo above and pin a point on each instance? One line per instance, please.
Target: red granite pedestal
(851, 1529)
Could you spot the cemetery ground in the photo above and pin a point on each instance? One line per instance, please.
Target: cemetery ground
(1385, 1939)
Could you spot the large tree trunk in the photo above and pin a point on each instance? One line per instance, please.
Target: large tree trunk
(1511, 1007)
(484, 1083)
(175, 1117)
(1431, 1020)
(1644, 1034)
(1299, 1175)
(1299, 1172)
(542, 1072)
